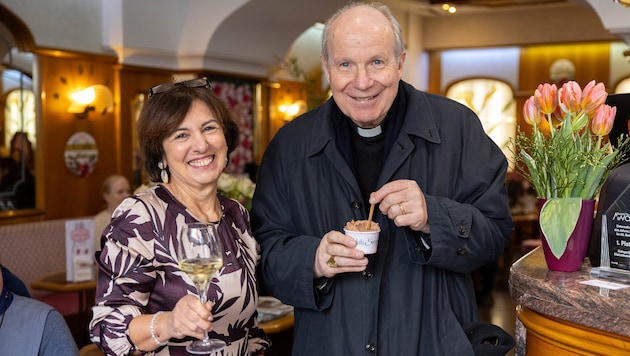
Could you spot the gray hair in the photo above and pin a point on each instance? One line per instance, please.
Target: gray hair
(399, 47)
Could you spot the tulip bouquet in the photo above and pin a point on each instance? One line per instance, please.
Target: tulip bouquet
(564, 161)
(238, 187)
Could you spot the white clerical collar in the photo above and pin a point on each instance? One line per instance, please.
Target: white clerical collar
(373, 132)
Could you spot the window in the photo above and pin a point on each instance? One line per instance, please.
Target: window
(493, 101)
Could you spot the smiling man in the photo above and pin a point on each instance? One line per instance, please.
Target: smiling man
(425, 161)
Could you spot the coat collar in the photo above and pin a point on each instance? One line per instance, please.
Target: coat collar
(419, 121)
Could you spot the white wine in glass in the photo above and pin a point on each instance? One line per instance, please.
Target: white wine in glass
(200, 257)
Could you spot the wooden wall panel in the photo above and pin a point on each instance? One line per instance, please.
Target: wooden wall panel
(435, 73)
(287, 93)
(591, 60)
(134, 81)
(62, 194)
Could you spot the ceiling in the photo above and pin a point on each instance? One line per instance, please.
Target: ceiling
(497, 3)
(200, 34)
(266, 29)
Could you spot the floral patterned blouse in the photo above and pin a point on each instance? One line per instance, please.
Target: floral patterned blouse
(139, 274)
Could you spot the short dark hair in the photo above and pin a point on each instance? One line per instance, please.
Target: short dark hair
(164, 112)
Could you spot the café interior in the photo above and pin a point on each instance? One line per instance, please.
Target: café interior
(263, 55)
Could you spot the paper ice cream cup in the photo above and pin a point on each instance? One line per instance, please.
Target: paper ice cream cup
(367, 241)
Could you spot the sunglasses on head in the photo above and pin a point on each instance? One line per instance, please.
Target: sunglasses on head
(192, 83)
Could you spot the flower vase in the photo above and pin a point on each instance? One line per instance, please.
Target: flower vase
(577, 245)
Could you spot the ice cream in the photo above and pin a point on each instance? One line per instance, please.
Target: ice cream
(361, 225)
(367, 240)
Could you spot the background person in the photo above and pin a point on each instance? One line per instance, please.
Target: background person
(17, 185)
(28, 326)
(115, 189)
(438, 181)
(9, 176)
(146, 303)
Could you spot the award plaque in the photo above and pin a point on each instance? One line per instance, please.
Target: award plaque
(611, 249)
(615, 240)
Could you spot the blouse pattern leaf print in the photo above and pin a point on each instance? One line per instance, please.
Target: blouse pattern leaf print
(139, 273)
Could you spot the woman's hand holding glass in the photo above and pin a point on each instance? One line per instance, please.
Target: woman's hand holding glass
(190, 318)
(201, 256)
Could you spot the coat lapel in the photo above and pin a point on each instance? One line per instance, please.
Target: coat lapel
(419, 122)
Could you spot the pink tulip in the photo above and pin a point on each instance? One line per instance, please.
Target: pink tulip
(545, 96)
(593, 96)
(559, 113)
(603, 120)
(531, 112)
(569, 97)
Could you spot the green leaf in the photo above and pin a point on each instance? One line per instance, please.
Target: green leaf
(579, 122)
(558, 218)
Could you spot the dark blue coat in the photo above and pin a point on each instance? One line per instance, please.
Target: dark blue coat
(410, 303)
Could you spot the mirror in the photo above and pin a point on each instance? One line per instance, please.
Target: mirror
(18, 132)
(17, 116)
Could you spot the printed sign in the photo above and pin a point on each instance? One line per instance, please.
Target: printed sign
(79, 250)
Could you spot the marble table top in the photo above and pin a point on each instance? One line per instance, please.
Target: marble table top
(561, 295)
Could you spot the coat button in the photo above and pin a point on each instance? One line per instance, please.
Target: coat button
(367, 274)
(461, 251)
(370, 348)
(355, 204)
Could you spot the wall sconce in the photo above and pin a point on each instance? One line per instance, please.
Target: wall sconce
(96, 98)
(290, 111)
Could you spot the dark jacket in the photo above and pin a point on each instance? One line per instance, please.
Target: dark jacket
(408, 301)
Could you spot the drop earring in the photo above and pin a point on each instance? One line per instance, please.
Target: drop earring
(163, 173)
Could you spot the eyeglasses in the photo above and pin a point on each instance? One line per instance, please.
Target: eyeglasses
(192, 83)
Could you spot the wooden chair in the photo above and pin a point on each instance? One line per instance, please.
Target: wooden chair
(90, 350)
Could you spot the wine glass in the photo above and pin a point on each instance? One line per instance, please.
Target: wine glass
(201, 256)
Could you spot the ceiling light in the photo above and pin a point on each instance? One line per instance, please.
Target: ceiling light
(451, 9)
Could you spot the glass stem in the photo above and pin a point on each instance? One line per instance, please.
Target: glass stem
(203, 298)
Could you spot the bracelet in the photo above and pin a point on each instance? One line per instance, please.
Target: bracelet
(152, 328)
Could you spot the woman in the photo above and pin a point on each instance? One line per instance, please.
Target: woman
(144, 302)
(115, 189)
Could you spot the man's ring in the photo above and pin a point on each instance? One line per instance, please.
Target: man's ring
(331, 262)
(402, 208)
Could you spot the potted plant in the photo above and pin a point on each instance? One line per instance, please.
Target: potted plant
(566, 158)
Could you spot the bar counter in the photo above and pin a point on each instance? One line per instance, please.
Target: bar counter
(557, 315)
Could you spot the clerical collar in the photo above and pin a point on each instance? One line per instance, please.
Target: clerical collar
(373, 132)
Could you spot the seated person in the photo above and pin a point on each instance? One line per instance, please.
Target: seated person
(28, 326)
(115, 189)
